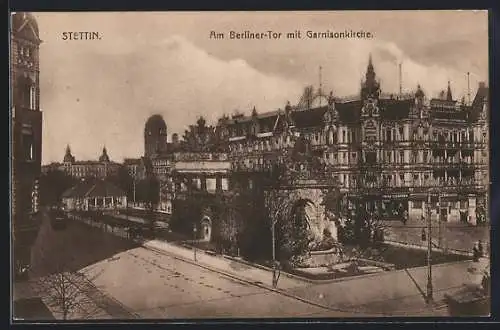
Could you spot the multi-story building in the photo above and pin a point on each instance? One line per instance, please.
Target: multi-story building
(385, 151)
(101, 168)
(26, 133)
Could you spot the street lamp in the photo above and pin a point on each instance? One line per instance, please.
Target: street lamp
(194, 240)
(429, 251)
(133, 183)
(273, 237)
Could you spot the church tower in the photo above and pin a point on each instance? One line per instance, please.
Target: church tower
(26, 130)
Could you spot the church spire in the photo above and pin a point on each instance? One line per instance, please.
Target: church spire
(370, 71)
(371, 86)
(68, 157)
(104, 157)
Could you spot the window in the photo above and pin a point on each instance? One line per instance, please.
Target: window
(425, 156)
(353, 155)
(401, 157)
(28, 147)
(371, 157)
(343, 137)
(401, 133)
(417, 204)
(388, 135)
(32, 103)
(402, 178)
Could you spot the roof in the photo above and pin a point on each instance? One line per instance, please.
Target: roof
(155, 122)
(94, 162)
(131, 161)
(479, 99)
(395, 109)
(349, 112)
(93, 188)
(309, 118)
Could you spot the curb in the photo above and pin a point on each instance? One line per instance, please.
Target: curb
(241, 279)
(434, 249)
(279, 291)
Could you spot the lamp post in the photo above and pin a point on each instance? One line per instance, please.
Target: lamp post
(134, 188)
(440, 220)
(429, 251)
(273, 237)
(194, 240)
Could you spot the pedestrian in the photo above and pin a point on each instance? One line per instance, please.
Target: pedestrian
(480, 248)
(424, 235)
(276, 273)
(475, 253)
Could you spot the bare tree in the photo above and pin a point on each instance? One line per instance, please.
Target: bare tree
(67, 294)
(66, 291)
(277, 204)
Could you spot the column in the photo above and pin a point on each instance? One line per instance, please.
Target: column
(203, 183)
(95, 201)
(218, 183)
(472, 211)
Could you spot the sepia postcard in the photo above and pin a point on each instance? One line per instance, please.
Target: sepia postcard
(210, 165)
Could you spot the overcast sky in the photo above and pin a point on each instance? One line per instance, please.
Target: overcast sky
(101, 92)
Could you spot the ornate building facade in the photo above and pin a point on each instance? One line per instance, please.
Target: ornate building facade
(385, 151)
(26, 133)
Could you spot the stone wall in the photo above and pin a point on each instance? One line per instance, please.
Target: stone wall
(322, 258)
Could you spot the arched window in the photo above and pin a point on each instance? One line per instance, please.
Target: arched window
(32, 103)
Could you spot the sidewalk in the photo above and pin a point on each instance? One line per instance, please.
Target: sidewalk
(235, 268)
(393, 293)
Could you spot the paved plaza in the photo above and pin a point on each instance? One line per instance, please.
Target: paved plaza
(162, 280)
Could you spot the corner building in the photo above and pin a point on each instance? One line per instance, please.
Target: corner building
(386, 151)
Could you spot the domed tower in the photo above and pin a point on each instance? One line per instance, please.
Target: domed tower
(26, 133)
(155, 136)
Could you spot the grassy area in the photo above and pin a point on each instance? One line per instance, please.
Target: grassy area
(407, 258)
(75, 247)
